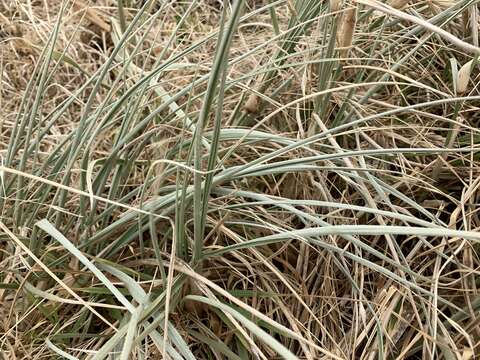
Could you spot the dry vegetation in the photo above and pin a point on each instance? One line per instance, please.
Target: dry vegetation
(206, 179)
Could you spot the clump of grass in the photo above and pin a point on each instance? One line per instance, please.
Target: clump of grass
(199, 180)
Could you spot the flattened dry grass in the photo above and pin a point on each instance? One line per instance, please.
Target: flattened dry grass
(239, 180)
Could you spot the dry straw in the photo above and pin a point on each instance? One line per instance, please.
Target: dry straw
(425, 24)
(465, 18)
(346, 31)
(463, 77)
(444, 4)
(335, 5)
(398, 4)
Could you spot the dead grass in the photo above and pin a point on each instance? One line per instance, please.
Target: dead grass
(338, 189)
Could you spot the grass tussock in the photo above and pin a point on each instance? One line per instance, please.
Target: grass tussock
(239, 179)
